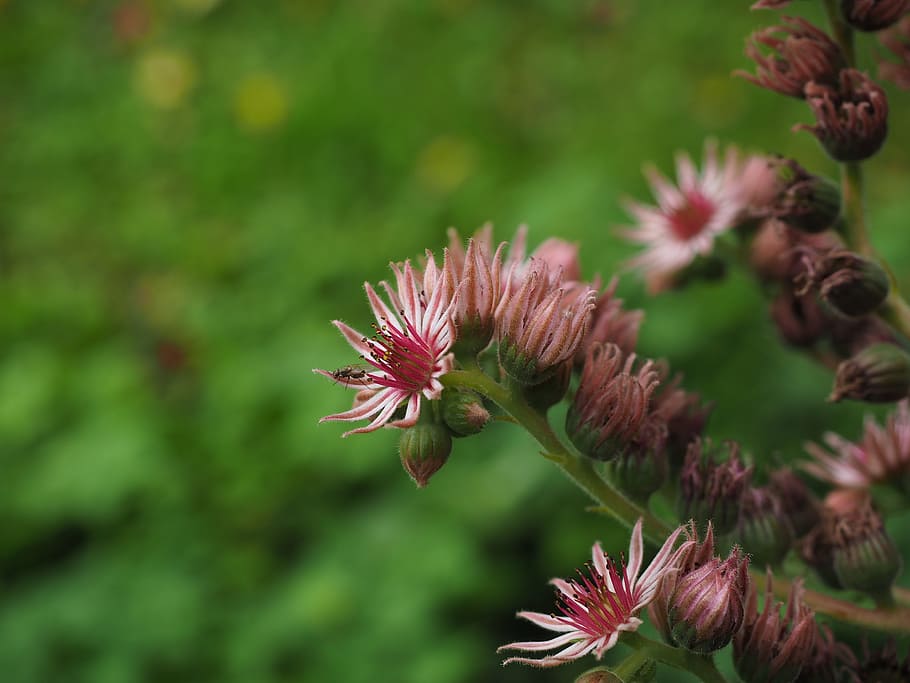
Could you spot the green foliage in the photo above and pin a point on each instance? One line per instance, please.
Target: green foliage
(184, 208)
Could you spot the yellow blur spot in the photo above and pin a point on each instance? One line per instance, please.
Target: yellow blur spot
(260, 103)
(444, 163)
(164, 78)
(197, 7)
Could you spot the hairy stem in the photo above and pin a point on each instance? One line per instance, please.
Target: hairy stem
(580, 470)
(701, 667)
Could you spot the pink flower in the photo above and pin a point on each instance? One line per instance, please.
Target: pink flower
(597, 607)
(409, 351)
(688, 217)
(883, 454)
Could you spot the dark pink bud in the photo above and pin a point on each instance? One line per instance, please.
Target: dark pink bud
(712, 490)
(611, 403)
(873, 15)
(852, 119)
(707, 606)
(770, 647)
(800, 53)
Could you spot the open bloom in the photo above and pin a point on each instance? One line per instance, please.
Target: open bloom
(409, 351)
(882, 455)
(687, 218)
(597, 607)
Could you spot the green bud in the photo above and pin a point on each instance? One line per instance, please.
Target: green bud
(463, 412)
(850, 284)
(762, 528)
(808, 202)
(880, 373)
(551, 391)
(599, 675)
(424, 449)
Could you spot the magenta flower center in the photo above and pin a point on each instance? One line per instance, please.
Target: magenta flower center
(690, 219)
(593, 607)
(406, 359)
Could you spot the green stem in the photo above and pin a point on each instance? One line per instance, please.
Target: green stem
(856, 231)
(580, 470)
(631, 664)
(843, 34)
(699, 666)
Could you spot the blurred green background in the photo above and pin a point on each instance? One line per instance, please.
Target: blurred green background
(192, 189)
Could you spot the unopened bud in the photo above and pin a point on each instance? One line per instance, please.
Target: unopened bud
(762, 527)
(424, 449)
(806, 202)
(880, 373)
(771, 648)
(463, 412)
(852, 120)
(611, 403)
(873, 15)
(799, 319)
(552, 390)
(643, 468)
(850, 284)
(599, 675)
(864, 556)
(800, 507)
(709, 490)
(707, 606)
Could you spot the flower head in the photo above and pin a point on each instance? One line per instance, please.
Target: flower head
(800, 53)
(541, 323)
(409, 350)
(770, 648)
(852, 120)
(882, 455)
(687, 218)
(873, 15)
(600, 604)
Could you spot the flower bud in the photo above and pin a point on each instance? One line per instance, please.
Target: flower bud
(541, 323)
(552, 390)
(642, 468)
(864, 556)
(463, 412)
(897, 39)
(873, 15)
(683, 413)
(800, 53)
(880, 373)
(799, 319)
(805, 202)
(770, 648)
(762, 527)
(800, 507)
(424, 449)
(599, 675)
(883, 664)
(707, 606)
(611, 403)
(709, 490)
(852, 120)
(694, 555)
(850, 284)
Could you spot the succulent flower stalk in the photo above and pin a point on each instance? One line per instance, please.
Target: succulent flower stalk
(409, 350)
(594, 609)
